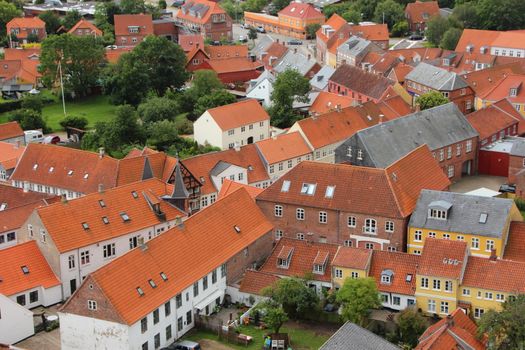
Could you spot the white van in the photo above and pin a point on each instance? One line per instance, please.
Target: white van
(33, 136)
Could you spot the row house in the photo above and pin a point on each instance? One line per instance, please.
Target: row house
(353, 51)
(444, 129)
(261, 88)
(426, 78)
(240, 123)
(24, 30)
(292, 21)
(509, 87)
(85, 28)
(325, 132)
(78, 237)
(483, 222)
(326, 202)
(419, 13)
(151, 296)
(10, 153)
(130, 30)
(496, 43)
(11, 132)
(206, 18)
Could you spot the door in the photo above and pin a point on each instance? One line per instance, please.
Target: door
(73, 285)
(250, 140)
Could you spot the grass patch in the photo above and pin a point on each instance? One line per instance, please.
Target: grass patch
(301, 339)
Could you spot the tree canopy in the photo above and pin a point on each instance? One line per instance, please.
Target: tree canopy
(8, 11)
(290, 85)
(389, 12)
(410, 325)
(431, 99)
(295, 297)
(51, 20)
(357, 297)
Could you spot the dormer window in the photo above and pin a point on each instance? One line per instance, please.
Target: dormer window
(437, 214)
(308, 189)
(284, 257)
(446, 62)
(387, 276)
(513, 92)
(133, 29)
(319, 269)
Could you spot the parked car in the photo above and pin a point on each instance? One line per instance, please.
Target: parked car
(261, 29)
(507, 188)
(243, 39)
(178, 3)
(183, 345)
(416, 37)
(51, 140)
(33, 136)
(216, 43)
(295, 42)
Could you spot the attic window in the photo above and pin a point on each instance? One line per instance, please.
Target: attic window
(438, 214)
(409, 278)
(250, 168)
(152, 283)
(85, 226)
(202, 179)
(163, 276)
(237, 229)
(140, 291)
(35, 166)
(134, 194)
(308, 189)
(69, 173)
(51, 169)
(387, 276)
(329, 192)
(483, 218)
(105, 220)
(394, 176)
(3, 206)
(86, 176)
(25, 269)
(286, 186)
(124, 217)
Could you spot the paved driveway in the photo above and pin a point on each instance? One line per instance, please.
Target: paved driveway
(42, 341)
(470, 183)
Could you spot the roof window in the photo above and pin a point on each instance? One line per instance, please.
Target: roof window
(286, 186)
(51, 169)
(124, 217)
(25, 269)
(35, 166)
(308, 189)
(86, 176)
(105, 220)
(85, 226)
(163, 276)
(152, 283)
(101, 203)
(237, 229)
(140, 291)
(329, 192)
(483, 218)
(134, 194)
(69, 173)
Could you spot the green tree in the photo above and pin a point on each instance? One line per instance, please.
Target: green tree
(400, 29)
(410, 326)
(158, 108)
(33, 102)
(436, 28)
(311, 29)
(367, 8)
(132, 6)
(431, 99)
(204, 82)
(338, 8)
(505, 329)
(215, 99)
(501, 14)
(162, 4)
(450, 39)
(278, 5)
(232, 8)
(252, 34)
(71, 18)
(357, 297)
(466, 14)
(253, 5)
(295, 297)
(352, 16)
(162, 134)
(8, 11)
(290, 85)
(74, 122)
(389, 12)
(29, 119)
(51, 20)
(104, 12)
(81, 58)
(275, 317)
(127, 81)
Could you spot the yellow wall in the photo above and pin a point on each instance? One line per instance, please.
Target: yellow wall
(338, 282)
(479, 104)
(482, 302)
(423, 295)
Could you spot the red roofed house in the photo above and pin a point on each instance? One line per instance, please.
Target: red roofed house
(165, 28)
(10, 153)
(327, 203)
(205, 17)
(290, 21)
(130, 30)
(11, 132)
(84, 27)
(229, 186)
(497, 43)
(510, 87)
(22, 30)
(188, 42)
(419, 13)
(232, 125)
(20, 66)
(327, 102)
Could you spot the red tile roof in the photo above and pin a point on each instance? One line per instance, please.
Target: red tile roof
(283, 147)
(10, 130)
(372, 32)
(24, 24)
(190, 41)
(484, 80)
(497, 275)
(237, 114)
(327, 102)
(228, 187)
(420, 12)
(144, 21)
(414, 55)
(515, 243)
(224, 52)
(353, 258)
(491, 120)
(113, 55)
(368, 84)
(490, 38)
(13, 218)
(83, 24)
(168, 253)
(15, 197)
(335, 21)
(302, 260)
(273, 54)
(184, 13)
(404, 268)
(444, 258)
(131, 169)
(13, 280)
(301, 11)
(502, 89)
(9, 154)
(64, 221)
(234, 64)
(254, 282)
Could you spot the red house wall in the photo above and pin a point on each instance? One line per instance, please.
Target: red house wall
(493, 163)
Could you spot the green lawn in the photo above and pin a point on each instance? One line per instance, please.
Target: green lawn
(299, 338)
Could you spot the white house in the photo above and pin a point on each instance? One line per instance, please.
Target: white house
(16, 322)
(78, 237)
(261, 88)
(239, 123)
(152, 295)
(12, 133)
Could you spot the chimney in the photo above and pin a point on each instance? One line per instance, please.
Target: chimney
(338, 107)
(263, 55)
(236, 146)
(17, 144)
(100, 188)
(101, 152)
(273, 134)
(417, 108)
(493, 256)
(272, 60)
(63, 198)
(197, 45)
(450, 321)
(381, 116)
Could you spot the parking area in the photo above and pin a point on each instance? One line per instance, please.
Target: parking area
(470, 183)
(42, 341)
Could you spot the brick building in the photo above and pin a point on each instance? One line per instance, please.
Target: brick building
(130, 30)
(324, 202)
(419, 13)
(205, 17)
(21, 30)
(83, 28)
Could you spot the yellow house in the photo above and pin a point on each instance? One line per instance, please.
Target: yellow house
(482, 222)
(350, 262)
(509, 87)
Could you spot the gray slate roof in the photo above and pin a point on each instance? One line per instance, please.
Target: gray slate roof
(436, 78)
(354, 46)
(436, 127)
(518, 147)
(464, 213)
(320, 79)
(264, 75)
(219, 167)
(297, 61)
(352, 337)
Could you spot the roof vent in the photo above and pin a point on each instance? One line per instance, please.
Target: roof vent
(237, 229)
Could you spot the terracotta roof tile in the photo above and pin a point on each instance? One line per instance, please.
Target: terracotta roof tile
(13, 280)
(64, 221)
(365, 83)
(404, 268)
(133, 169)
(283, 147)
(335, 21)
(9, 154)
(302, 260)
(515, 243)
(228, 187)
(10, 130)
(113, 55)
(490, 38)
(301, 11)
(14, 218)
(420, 12)
(484, 80)
(237, 114)
(273, 54)
(327, 102)
(497, 275)
(255, 281)
(491, 120)
(224, 52)
(144, 21)
(24, 24)
(168, 253)
(15, 197)
(501, 89)
(212, 8)
(83, 24)
(444, 258)
(190, 41)
(353, 258)
(234, 64)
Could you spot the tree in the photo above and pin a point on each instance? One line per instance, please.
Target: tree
(450, 39)
(51, 20)
(312, 29)
(278, 5)
(105, 12)
(466, 14)
(505, 328)
(275, 317)
(29, 119)
(253, 5)
(204, 82)
(295, 297)
(431, 99)
(156, 64)
(158, 108)
(81, 58)
(436, 28)
(501, 14)
(389, 12)
(162, 4)
(71, 18)
(215, 99)
(357, 297)
(410, 326)
(132, 6)
(290, 85)
(74, 122)
(162, 134)
(352, 16)
(400, 29)
(252, 34)
(8, 11)
(33, 102)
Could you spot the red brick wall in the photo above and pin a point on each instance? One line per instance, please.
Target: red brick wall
(515, 166)
(457, 161)
(343, 90)
(128, 40)
(217, 31)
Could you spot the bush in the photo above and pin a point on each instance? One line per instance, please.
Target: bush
(33, 102)
(520, 203)
(8, 106)
(29, 120)
(74, 122)
(400, 29)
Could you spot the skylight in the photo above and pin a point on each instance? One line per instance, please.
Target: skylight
(25, 269)
(3, 206)
(329, 191)
(140, 291)
(483, 218)
(152, 283)
(124, 216)
(163, 276)
(51, 169)
(308, 189)
(286, 186)
(237, 229)
(134, 194)
(35, 166)
(105, 220)
(85, 226)
(101, 203)
(86, 176)
(69, 173)
(409, 277)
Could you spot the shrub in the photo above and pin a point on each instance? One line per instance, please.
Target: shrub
(74, 122)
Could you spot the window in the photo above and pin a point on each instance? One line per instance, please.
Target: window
(458, 149)
(144, 325)
(369, 245)
(448, 286)
(417, 236)
(446, 236)
(385, 279)
(460, 238)
(195, 289)
(308, 189)
(370, 226)
(214, 277)
(133, 242)
(223, 270)
(243, 128)
(168, 332)
(338, 273)
(205, 283)
(500, 297)
(178, 301)
(424, 282)
(281, 166)
(389, 226)
(478, 312)
(384, 298)
(299, 214)
(231, 132)
(278, 211)
(33, 298)
(167, 308)
(30, 229)
(354, 274)
(92, 305)
(145, 346)
(71, 261)
(437, 214)
(156, 340)
(444, 307)
(323, 217)
(468, 147)
(84, 257)
(431, 306)
(417, 252)
(42, 236)
(391, 249)
(475, 243)
(441, 155)
(450, 171)
(449, 152)
(272, 170)
(488, 295)
(261, 123)
(278, 234)
(105, 220)
(466, 292)
(156, 317)
(179, 324)
(347, 243)
(300, 236)
(489, 246)
(359, 154)
(396, 300)
(436, 284)
(290, 162)
(351, 221)
(329, 193)
(188, 317)
(109, 250)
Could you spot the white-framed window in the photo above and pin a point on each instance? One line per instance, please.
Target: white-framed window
(300, 236)
(278, 211)
(338, 273)
(92, 305)
(468, 147)
(441, 155)
(424, 282)
(437, 214)
(243, 128)
(43, 236)
(436, 284)
(299, 214)
(431, 235)
(500, 297)
(204, 201)
(466, 292)
(231, 132)
(369, 246)
(478, 312)
(396, 301)
(488, 295)
(444, 307)
(417, 252)
(449, 152)
(109, 250)
(431, 305)
(417, 236)
(489, 245)
(370, 226)
(323, 217)
(347, 243)
(389, 226)
(278, 234)
(281, 166)
(240, 176)
(385, 279)
(272, 169)
(71, 261)
(450, 171)
(349, 152)
(448, 286)
(290, 163)
(30, 230)
(474, 243)
(446, 236)
(354, 274)
(359, 154)
(458, 149)
(460, 238)
(84, 257)
(351, 221)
